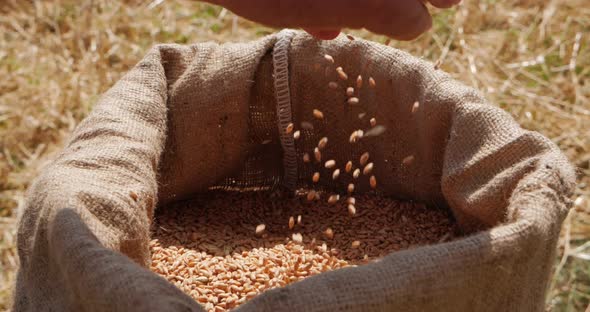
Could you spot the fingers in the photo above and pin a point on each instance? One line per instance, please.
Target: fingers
(399, 19)
(323, 34)
(444, 4)
(310, 14)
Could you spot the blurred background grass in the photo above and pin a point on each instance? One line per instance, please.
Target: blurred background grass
(530, 57)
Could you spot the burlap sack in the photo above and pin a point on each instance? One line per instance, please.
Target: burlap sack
(188, 118)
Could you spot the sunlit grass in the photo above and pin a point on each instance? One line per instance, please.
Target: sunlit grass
(529, 57)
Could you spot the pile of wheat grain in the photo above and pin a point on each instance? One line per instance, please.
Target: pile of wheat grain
(223, 248)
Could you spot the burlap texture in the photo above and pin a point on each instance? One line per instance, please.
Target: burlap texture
(188, 118)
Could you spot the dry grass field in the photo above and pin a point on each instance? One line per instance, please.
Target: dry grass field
(530, 57)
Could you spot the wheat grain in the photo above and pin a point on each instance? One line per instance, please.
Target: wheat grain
(364, 158)
(322, 143)
(368, 169)
(408, 160)
(335, 174)
(329, 233)
(341, 73)
(415, 107)
(316, 177)
(355, 136)
(350, 188)
(297, 237)
(356, 173)
(289, 128)
(317, 154)
(311, 195)
(348, 167)
(260, 229)
(351, 200)
(353, 101)
(349, 91)
(351, 209)
(373, 122)
(329, 58)
(333, 199)
(318, 114)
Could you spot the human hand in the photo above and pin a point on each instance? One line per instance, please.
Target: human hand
(399, 19)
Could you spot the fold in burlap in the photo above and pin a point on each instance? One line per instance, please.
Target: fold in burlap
(188, 118)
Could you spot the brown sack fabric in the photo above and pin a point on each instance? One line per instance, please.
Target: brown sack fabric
(190, 118)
